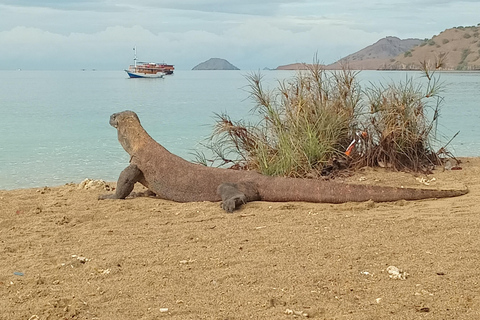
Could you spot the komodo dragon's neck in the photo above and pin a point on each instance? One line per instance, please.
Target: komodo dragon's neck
(140, 145)
(133, 137)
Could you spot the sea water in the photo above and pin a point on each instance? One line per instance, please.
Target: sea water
(54, 124)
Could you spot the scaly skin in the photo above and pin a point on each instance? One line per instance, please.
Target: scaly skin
(173, 178)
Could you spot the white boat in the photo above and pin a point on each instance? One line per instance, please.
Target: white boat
(148, 70)
(143, 73)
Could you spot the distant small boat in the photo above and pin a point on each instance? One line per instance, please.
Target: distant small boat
(148, 70)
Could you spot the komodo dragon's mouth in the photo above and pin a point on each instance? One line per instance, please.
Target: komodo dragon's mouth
(113, 120)
(123, 116)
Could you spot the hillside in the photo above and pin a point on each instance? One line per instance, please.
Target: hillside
(459, 47)
(376, 55)
(215, 64)
(293, 66)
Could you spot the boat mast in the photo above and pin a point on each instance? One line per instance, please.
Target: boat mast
(135, 56)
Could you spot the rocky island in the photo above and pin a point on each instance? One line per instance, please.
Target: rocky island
(215, 64)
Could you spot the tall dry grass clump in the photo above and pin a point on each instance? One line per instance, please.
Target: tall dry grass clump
(398, 127)
(318, 118)
(401, 124)
(303, 125)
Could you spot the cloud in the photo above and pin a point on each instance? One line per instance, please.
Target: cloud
(96, 5)
(240, 7)
(250, 34)
(246, 7)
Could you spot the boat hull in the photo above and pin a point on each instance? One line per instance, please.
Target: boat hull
(144, 75)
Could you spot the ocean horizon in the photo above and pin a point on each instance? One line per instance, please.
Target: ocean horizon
(54, 127)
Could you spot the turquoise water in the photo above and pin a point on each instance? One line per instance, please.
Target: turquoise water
(54, 124)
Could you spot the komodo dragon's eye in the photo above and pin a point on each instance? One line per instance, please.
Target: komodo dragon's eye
(113, 120)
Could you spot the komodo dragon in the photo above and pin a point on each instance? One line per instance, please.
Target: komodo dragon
(173, 178)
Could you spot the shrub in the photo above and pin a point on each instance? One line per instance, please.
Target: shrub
(309, 121)
(305, 123)
(400, 132)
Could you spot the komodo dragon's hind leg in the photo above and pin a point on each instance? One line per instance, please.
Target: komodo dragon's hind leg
(231, 196)
(126, 181)
(234, 195)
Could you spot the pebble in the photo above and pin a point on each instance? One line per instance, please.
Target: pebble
(93, 184)
(396, 273)
(296, 313)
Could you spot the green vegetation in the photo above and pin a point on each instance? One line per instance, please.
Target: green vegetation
(308, 122)
(304, 124)
(445, 41)
(474, 28)
(399, 127)
(463, 65)
(407, 54)
(465, 54)
(467, 36)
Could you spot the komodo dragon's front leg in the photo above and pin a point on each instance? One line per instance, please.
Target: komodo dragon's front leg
(234, 195)
(126, 181)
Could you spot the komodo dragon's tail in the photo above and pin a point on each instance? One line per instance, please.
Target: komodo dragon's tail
(285, 189)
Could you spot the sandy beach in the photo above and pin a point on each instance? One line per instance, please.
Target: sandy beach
(66, 255)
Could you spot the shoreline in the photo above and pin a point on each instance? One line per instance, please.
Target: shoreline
(386, 172)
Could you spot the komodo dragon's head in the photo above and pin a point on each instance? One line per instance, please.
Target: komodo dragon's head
(130, 132)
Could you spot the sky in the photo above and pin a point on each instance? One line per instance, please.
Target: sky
(251, 34)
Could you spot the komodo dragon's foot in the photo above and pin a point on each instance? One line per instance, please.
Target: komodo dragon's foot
(232, 198)
(128, 177)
